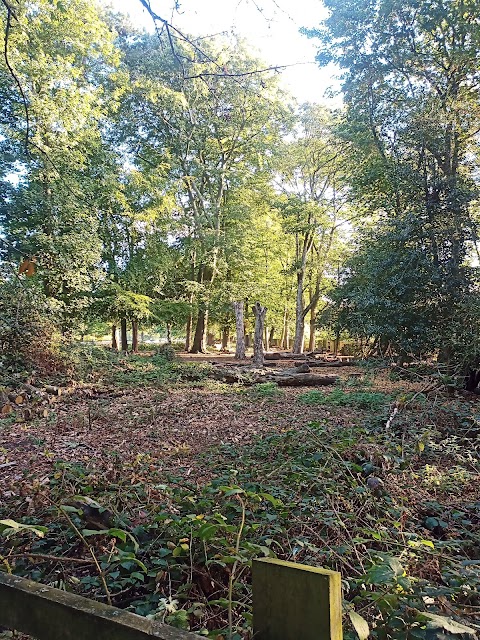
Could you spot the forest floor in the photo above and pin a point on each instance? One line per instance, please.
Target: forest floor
(152, 467)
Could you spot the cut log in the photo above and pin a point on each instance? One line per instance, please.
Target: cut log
(300, 367)
(251, 375)
(302, 380)
(284, 355)
(333, 363)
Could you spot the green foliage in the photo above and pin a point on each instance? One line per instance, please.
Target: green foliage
(28, 335)
(167, 351)
(300, 494)
(411, 126)
(264, 391)
(370, 400)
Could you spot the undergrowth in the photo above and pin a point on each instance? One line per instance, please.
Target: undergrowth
(369, 400)
(181, 550)
(395, 507)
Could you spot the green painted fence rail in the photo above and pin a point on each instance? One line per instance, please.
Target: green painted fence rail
(290, 602)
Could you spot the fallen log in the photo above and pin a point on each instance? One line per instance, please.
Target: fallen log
(302, 380)
(300, 367)
(285, 378)
(284, 355)
(319, 363)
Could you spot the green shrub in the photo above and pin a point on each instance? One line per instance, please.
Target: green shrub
(167, 351)
(28, 337)
(264, 390)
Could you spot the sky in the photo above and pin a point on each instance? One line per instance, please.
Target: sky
(271, 26)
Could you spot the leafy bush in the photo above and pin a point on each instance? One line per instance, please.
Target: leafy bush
(167, 351)
(28, 337)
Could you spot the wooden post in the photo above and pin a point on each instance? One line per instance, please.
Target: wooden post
(51, 614)
(293, 601)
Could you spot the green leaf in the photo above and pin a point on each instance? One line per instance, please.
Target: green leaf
(207, 531)
(360, 625)
(448, 624)
(9, 527)
(118, 533)
(380, 574)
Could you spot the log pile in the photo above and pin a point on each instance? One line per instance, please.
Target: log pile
(28, 401)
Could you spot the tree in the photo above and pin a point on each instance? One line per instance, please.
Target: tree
(410, 84)
(377, 298)
(214, 131)
(238, 306)
(312, 178)
(259, 312)
(59, 58)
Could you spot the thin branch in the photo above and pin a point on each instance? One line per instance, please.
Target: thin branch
(8, 27)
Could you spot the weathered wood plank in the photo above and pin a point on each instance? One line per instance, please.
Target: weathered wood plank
(293, 601)
(51, 614)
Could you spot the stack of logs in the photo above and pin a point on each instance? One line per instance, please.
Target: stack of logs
(28, 401)
(299, 374)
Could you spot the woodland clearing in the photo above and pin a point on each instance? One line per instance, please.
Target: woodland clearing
(173, 482)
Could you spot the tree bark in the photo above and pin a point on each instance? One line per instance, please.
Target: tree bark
(123, 334)
(114, 338)
(271, 334)
(259, 313)
(169, 333)
(240, 330)
(225, 338)
(199, 343)
(135, 336)
(311, 341)
(299, 317)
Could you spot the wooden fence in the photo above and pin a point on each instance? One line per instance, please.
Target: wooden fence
(290, 601)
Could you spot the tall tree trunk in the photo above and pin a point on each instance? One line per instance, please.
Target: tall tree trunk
(199, 345)
(259, 313)
(188, 329)
(266, 342)
(283, 337)
(299, 315)
(270, 336)
(337, 341)
(311, 342)
(240, 330)
(225, 338)
(123, 334)
(199, 338)
(114, 337)
(135, 336)
(169, 333)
